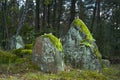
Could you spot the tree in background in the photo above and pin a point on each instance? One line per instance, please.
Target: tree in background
(32, 18)
(4, 28)
(72, 10)
(111, 11)
(37, 18)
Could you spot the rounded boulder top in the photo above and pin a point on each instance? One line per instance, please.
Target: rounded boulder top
(55, 41)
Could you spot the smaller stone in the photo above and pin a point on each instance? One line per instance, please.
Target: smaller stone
(16, 42)
(106, 62)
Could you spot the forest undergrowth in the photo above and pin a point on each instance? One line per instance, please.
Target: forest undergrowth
(22, 68)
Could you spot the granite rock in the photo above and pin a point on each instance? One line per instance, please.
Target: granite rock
(79, 55)
(47, 56)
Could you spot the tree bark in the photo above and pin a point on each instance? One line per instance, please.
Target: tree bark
(98, 11)
(37, 27)
(22, 18)
(72, 11)
(59, 16)
(44, 16)
(54, 13)
(81, 10)
(48, 15)
(4, 26)
(93, 19)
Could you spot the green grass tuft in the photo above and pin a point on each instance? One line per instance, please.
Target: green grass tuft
(7, 57)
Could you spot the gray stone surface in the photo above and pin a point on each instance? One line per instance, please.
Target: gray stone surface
(16, 42)
(46, 56)
(106, 62)
(76, 55)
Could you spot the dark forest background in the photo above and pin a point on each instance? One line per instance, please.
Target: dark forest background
(32, 18)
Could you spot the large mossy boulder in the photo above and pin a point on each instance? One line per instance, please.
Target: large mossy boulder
(47, 53)
(80, 48)
(16, 42)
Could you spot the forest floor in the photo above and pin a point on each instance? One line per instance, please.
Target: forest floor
(14, 67)
(25, 70)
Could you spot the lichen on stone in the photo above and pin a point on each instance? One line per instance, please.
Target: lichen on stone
(97, 53)
(89, 40)
(79, 23)
(55, 41)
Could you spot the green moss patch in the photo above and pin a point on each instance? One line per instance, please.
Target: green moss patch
(97, 53)
(72, 75)
(85, 42)
(22, 52)
(79, 23)
(28, 46)
(55, 41)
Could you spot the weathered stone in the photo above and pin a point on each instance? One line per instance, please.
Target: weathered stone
(77, 54)
(47, 56)
(16, 42)
(106, 62)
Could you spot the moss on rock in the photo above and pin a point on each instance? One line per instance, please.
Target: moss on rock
(79, 23)
(55, 41)
(22, 52)
(28, 46)
(97, 53)
(86, 43)
(89, 40)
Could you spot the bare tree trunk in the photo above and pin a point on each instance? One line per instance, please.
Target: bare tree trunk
(93, 19)
(13, 15)
(98, 11)
(99, 29)
(44, 16)
(72, 11)
(22, 18)
(54, 14)
(48, 15)
(81, 10)
(59, 16)
(37, 27)
(4, 26)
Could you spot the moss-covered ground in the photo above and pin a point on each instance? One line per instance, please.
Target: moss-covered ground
(22, 68)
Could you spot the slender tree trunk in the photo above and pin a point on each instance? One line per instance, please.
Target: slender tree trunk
(44, 16)
(22, 18)
(98, 11)
(54, 13)
(99, 29)
(72, 11)
(37, 27)
(48, 16)
(13, 14)
(59, 16)
(93, 19)
(81, 10)
(4, 26)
